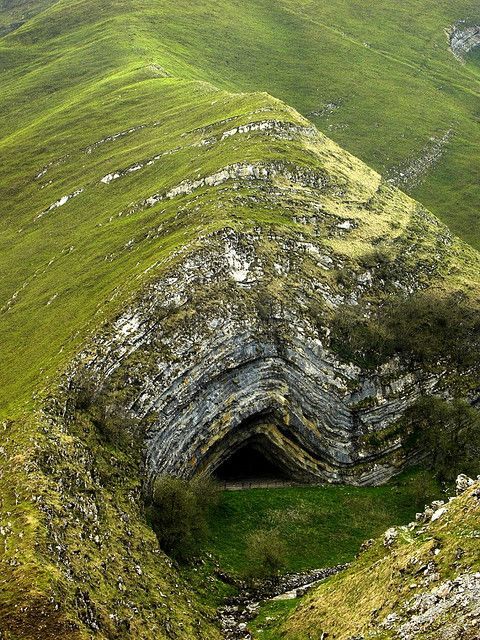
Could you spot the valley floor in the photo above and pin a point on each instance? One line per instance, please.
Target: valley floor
(322, 527)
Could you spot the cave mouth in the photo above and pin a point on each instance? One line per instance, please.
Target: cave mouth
(250, 464)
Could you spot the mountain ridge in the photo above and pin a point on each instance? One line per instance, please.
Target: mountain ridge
(119, 177)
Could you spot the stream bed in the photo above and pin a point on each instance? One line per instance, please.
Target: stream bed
(238, 610)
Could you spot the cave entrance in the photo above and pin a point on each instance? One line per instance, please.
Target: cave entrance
(249, 464)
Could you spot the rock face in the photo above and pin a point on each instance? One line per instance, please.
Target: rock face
(266, 230)
(230, 348)
(463, 39)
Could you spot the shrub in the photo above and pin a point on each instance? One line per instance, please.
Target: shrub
(448, 433)
(264, 305)
(358, 338)
(376, 258)
(422, 488)
(423, 328)
(107, 413)
(178, 513)
(266, 553)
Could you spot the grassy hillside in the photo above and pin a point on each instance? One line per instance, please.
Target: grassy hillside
(75, 83)
(104, 107)
(87, 91)
(77, 559)
(14, 13)
(423, 583)
(378, 78)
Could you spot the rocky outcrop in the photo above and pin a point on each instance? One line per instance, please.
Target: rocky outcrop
(231, 348)
(463, 39)
(265, 172)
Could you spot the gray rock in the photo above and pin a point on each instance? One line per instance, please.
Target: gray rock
(463, 482)
(208, 359)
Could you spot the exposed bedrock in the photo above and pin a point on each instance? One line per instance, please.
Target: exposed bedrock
(463, 39)
(230, 348)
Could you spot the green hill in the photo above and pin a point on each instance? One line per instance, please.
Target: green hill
(419, 581)
(379, 79)
(90, 89)
(125, 145)
(78, 73)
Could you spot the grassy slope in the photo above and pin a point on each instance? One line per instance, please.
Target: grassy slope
(77, 558)
(383, 579)
(14, 13)
(72, 75)
(386, 64)
(79, 72)
(77, 79)
(322, 526)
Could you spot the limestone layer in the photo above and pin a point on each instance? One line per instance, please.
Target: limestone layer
(464, 39)
(231, 347)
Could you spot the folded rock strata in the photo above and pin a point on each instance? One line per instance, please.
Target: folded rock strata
(230, 348)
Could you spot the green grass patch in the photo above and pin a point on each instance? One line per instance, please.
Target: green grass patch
(322, 526)
(266, 626)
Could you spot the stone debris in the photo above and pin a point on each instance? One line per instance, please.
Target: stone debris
(326, 110)
(59, 203)
(239, 171)
(463, 483)
(438, 514)
(274, 128)
(453, 602)
(240, 609)
(390, 536)
(463, 39)
(116, 136)
(412, 172)
(451, 609)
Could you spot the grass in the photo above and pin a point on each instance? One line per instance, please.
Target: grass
(385, 66)
(77, 554)
(383, 579)
(78, 72)
(89, 88)
(322, 526)
(267, 624)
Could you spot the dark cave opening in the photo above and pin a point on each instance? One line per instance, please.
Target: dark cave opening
(250, 464)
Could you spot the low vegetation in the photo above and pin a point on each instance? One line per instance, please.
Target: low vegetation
(178, 513)
(310, 54)
(447, 433)
(423, 577)
(319, 526)
(266, 554)
(425, 328)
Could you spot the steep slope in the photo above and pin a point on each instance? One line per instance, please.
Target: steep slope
(380, 79)
(419, 581)
(14, 13)
(173, 256)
